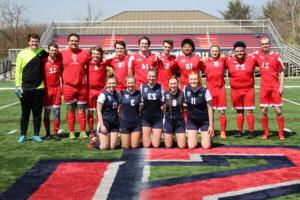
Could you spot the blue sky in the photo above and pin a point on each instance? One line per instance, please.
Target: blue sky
(72, 10)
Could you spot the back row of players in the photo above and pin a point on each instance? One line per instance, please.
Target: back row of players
(84, 77)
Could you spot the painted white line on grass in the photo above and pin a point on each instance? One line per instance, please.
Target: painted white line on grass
(2, 107)
(11, 132)
(108, 178)
(9, 88)
(146, 174)
(249, 190)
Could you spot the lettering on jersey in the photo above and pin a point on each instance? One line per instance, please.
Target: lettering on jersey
(144, 66)
(74, 59)
(132, 102)
(189, 66)
(240, 67)
(199, 95)
(52, 70)
(167, 65)
(126, 96)
(96, 68)
(216, 64)
(265, 65)
(120, 64)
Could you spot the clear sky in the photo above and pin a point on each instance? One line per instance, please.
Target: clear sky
(46, 11)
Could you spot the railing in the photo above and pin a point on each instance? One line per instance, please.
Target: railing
(46, 37)
(5, 68)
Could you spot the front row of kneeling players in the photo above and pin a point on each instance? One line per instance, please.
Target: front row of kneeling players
(153, 112)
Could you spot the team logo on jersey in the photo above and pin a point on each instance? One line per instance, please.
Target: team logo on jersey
(145, 90)
(130, 176)
(188, 93)
(109, 98)
(74, 59)
(167, 96)
(126, 96)
(216, 63)
(200, 95)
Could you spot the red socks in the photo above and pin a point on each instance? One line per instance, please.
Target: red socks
(265, 124)
(280, 123)
(47, 125)
(71, 121)
(56, 123)
(250, 122)
(223, 122)
(81, 121)
(91, 122)
(240, 122)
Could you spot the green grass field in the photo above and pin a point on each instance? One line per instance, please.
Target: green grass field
(16, 159)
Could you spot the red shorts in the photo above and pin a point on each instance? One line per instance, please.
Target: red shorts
(270, 97)
(243, 98)
(75, 94)
(92, 98)
(52, 97)
(218, 94)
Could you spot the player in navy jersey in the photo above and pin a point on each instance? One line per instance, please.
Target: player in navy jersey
(152, 99)
(173, 121)
(130, 115)
(200, 113)
(107, 110)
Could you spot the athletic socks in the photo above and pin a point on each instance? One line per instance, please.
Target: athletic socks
(71, 121)
(265, 126)
(250, 122)
(56, 123)
(223, 122)
(91, 122)
(81, 121)
(280, 123)
(47, 125)
(239, 122)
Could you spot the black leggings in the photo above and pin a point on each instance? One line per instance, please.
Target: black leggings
(32, 100)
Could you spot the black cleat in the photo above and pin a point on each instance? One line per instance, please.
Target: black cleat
(250, 135)
(48, 137)
(238, 134)
(56, 137)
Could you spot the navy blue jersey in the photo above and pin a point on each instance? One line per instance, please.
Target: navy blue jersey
(196, 102)
(130, 102)
(173, 105)
(110, 105)
(152, 98)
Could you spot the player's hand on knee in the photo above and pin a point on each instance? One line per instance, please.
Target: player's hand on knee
(103, 129)
(19, 92)
(211, 132)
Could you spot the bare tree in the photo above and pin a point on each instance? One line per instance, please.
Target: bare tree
(91, 15)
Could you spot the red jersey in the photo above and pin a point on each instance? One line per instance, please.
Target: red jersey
(166, 68)
(52, 72)
(140, 65)
(188, 64)
(96, 76)
(241, 72)
(120, 66)
(214, 72)
(74, 63)
(270, 66)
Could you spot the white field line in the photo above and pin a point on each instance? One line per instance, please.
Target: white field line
(249, 190)
(8, 88)
(2, 107)
(11, 132)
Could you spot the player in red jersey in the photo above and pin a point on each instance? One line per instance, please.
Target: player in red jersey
(52, 97)
(75, 61)
(96, 79)
(120, 64)
(167, 64)
(271, 88)
(188, 62)
(142, 61)
(214, 69)
(241, 69)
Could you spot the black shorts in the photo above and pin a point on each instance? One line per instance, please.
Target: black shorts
(110, 126)
(194, 124)
(152, 122)
(173, 126)
(126, 128)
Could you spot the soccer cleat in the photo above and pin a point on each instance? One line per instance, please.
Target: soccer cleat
(223, 135)
(92, 134)
(83, 135)
(265, 137)
(94, 143)
(48, 137)
(36, 138)
(56, 137)
(22, 139)
(72, 135)
(250, 135)
(238, 134)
